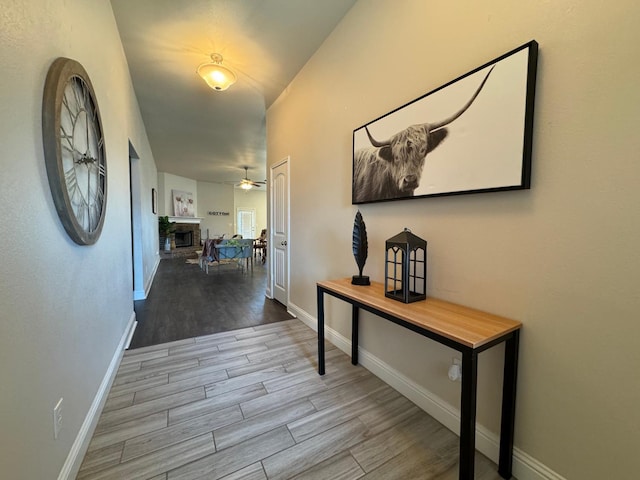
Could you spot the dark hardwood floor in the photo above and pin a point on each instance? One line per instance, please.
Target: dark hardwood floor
(185, 302)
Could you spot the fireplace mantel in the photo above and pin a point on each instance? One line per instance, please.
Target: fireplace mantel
(186, 219)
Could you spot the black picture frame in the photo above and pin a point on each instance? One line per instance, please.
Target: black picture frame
(485, 144)
(154, 201)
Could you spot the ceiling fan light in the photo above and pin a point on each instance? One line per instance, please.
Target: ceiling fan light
(246, 186)
(215, 75)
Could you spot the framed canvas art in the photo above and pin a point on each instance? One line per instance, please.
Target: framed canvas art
(471, 135)
(183, 205)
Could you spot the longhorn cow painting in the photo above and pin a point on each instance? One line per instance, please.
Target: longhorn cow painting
(472, 135)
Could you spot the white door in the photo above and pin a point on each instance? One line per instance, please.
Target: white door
(280, 232)
(246, 222)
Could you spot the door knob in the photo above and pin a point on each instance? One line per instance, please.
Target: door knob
(283, 243)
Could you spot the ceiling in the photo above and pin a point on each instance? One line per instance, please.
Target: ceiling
(194, 131)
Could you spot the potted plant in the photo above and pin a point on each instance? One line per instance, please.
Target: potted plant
(166, 228)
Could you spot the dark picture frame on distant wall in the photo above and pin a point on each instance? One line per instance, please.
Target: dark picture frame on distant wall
(154, 201)
(471, 135)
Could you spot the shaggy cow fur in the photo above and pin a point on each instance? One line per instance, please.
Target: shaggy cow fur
(394, 171)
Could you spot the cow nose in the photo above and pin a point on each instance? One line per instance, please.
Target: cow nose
(410, 180)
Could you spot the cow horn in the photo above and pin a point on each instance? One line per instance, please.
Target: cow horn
(376, 143)
(435, 126)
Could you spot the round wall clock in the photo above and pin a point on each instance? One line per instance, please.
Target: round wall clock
(74, 150)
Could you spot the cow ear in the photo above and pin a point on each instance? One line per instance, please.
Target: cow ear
(385, 153)
(435, 138)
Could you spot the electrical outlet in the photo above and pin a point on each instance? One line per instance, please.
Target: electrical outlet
(57, 419)
(455, 370)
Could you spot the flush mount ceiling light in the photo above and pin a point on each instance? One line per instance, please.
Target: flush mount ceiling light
(217, 77)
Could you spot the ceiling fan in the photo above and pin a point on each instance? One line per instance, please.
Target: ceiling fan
(246, 183)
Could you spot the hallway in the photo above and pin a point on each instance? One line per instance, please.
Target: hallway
(223, 383)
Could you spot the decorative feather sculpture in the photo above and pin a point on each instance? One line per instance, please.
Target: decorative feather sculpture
(360, 249)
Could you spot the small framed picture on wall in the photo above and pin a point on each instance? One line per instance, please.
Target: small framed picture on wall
(154, 201)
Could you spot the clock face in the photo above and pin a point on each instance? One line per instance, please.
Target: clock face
(74, 150)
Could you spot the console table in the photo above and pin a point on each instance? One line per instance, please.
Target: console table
(464, 329)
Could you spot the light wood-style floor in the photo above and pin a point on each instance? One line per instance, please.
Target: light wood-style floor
(249, 405)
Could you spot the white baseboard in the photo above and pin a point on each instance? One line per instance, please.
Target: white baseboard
(525, 467)
(142, 294)
(132, 330)
(81, 443)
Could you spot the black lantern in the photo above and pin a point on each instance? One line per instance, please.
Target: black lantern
(405, 269)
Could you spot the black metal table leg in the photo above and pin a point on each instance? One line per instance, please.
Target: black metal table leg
(507, 422)
(320, 331)
(468, 414)
(354, 334)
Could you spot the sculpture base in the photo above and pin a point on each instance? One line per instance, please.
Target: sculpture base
(360, 280)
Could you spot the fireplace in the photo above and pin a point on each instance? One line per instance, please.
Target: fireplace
(184, 239)
(187, 235)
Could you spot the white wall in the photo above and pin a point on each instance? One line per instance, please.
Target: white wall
(215, 197)
(168, 182)
(562, 257)
(144, 178)
(220, 198)
(148, 180)
(64, 308)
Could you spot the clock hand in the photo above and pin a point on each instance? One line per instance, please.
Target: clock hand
(86, 117)
(86, 124)
(86, 160)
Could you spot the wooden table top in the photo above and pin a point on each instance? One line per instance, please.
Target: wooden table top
(464, 325)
